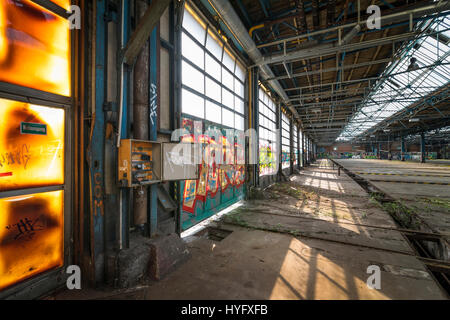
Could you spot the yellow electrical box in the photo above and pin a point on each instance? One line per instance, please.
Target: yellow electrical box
(137, 165)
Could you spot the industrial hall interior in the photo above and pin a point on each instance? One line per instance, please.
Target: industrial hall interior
(224, 149)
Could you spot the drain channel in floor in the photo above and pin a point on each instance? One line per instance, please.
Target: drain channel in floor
(213, 233)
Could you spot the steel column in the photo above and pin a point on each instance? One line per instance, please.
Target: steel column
(422, 147)
(291, 146)
(141, 115)
(178, 10)
(124, 122)
(254, 120)
(153, 120)
(95, 149)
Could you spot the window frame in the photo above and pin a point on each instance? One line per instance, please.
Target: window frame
(238, 116)
(286, 136)
(43, 98)
(267, 111)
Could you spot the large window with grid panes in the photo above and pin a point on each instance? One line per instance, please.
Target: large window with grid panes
(300, 132)
(213, 80)
(267, 133)
(295, 143)
(307, 149)
(285, 141)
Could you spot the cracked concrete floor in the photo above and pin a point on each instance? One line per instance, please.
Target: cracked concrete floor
(310, 238)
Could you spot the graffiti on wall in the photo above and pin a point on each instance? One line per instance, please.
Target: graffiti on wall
(285, 158)
(267, 159)
(29, 158)
(219, 184)
(31, 236)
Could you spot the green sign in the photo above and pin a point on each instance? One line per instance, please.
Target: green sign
(33, 128)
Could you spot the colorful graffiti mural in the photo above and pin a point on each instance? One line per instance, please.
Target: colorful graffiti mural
(219, 185)
(285, 158)
(267, 159)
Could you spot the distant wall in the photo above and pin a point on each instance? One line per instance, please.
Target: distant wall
(340, 147)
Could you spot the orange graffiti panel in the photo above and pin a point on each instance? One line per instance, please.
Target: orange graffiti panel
(34, 47)
(31, 236)
(31, 145)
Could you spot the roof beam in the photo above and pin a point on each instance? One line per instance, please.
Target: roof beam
(353, 66)
(419, 11)
(332, 49)
(144, 29)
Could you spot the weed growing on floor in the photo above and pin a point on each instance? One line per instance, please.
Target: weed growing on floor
(443, 203)
(235, 218)
(403, 214)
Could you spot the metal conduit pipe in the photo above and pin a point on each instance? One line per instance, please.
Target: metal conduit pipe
(141, 115)
(231, 19)
(349, 36)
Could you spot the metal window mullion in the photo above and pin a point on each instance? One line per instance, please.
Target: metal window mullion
(207, 98)
(204, 73)
(211, 54)
(52, 7)
(34, 96)
(28, 191)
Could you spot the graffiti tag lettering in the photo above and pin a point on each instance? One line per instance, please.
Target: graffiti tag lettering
(153, 103)
(98, 194)
(26, 228)
(20, 156)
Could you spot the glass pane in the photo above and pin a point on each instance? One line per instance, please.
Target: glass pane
(260, 94)
(228, 61)
(193, 104)
(239, 122)
(192, 77)
(239, 105)
(195, 26)
(192, 51)
(240, 71)
(213, 90)
(227, 98)
(34, 47)
(31, 145)
(213, 112)
(227, 118)
(271, 105)
(212, 67)
(227, 79)
(239, 88)
(31, 236)
(214, 45)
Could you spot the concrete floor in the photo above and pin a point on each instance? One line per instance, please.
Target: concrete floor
(310, 238)
(424, 187)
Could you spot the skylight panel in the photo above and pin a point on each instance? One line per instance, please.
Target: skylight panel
(395, 93)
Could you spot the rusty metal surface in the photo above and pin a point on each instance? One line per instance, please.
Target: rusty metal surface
(144, 28)
(141, 116)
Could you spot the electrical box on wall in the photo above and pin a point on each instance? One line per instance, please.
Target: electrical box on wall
(147, 162)
(137, 165)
